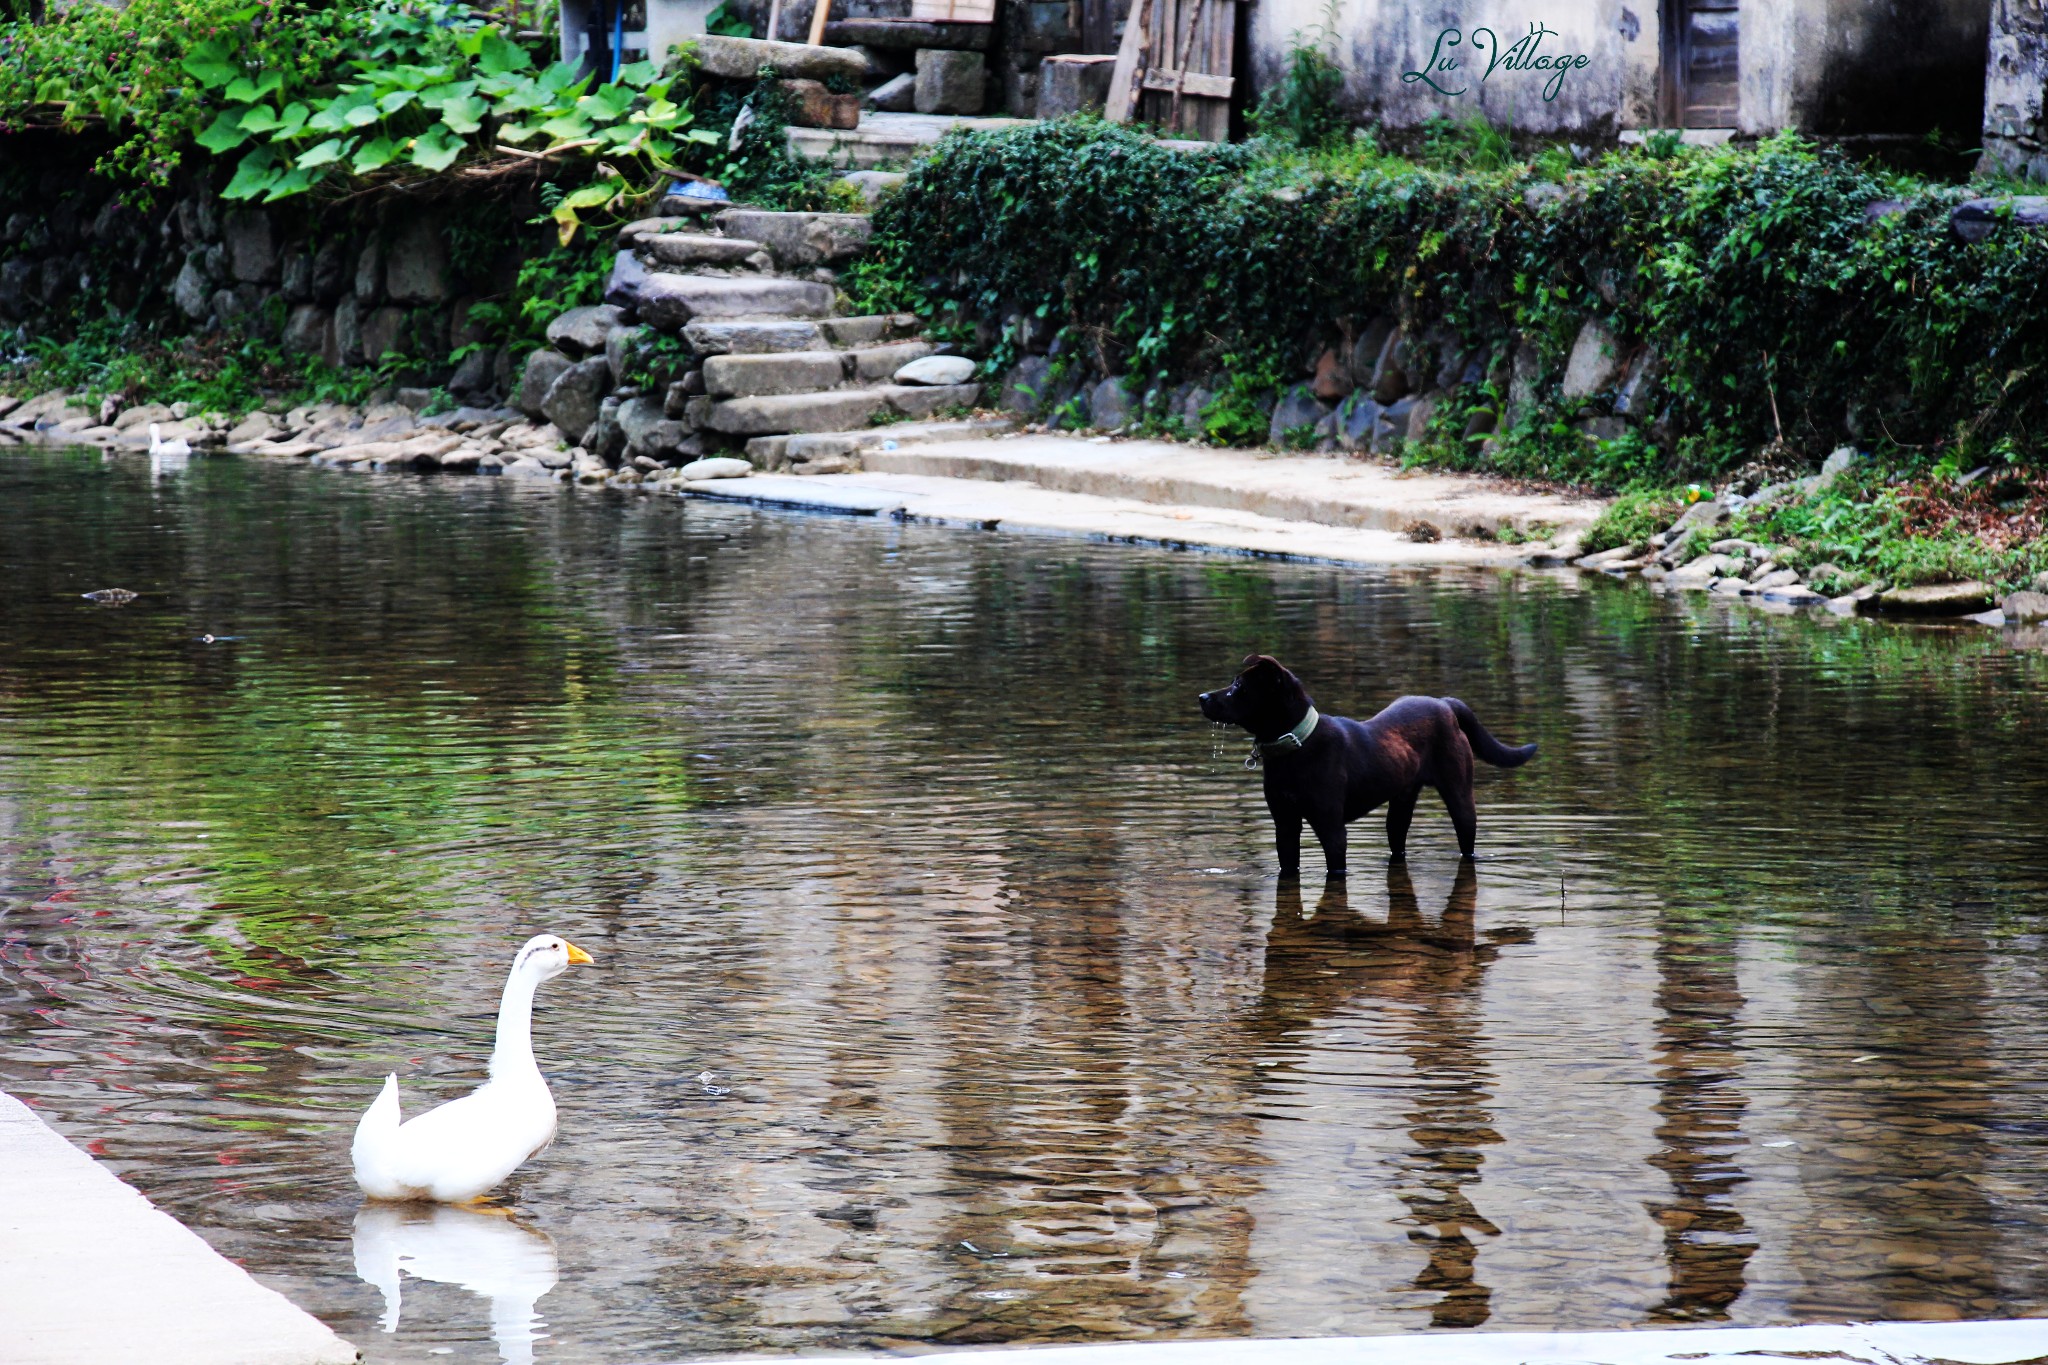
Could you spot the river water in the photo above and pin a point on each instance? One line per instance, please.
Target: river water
(944, 991)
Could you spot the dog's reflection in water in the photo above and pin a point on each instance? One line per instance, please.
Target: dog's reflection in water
(483, 1252)
(1321, 963)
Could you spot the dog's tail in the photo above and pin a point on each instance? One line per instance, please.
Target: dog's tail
(1485, 745)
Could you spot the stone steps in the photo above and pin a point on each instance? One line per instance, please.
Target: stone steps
(834, 410)
(751, 376)
(750, 296)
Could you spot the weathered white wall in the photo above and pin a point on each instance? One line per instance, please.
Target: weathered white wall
(1826, 66)
(2015, 132)
(1376, 41)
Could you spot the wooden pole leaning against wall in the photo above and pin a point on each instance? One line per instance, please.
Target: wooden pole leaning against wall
(1127, 77)
(818, 13)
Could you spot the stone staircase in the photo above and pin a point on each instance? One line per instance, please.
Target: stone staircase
(721, 331)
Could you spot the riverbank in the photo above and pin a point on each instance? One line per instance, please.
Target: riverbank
(75, 1241)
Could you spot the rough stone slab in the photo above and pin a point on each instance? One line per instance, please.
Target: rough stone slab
(1329, 491)
(801, 240)
(751, 376)
(774, 416)
(870, 330)
(950, 82)
(1937, 599)
(755, 338)
(671, 301)
(908, 34)
(92, 1273)
(1073, 83)
(740, 59)
(886, 139)
(922, 400)
(884, 364)
(689, 248)
(1871, 1343)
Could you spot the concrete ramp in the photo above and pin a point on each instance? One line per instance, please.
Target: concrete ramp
(91, 1273)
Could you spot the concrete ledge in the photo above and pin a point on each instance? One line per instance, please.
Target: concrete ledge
(1307, 488)
(1884, 1343)
(92, 1273)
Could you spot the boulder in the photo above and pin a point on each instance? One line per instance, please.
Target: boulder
(1298, 407)
(1109, 403)
(622, 289)
(1701, 573)
(1595, 361)
(476, 374)
(670, 301)
(1392, 428)
(716, 467)
(297, 277)
(543, 368)
(1074, 83)
(370, 272)
(897, 95)
(1357, 419)
(650, 433)
(329, 279)
(620, 346)
(190, 291)
(741, 59)
(572, 399)
(416, 262)
(811, 105)
(348, 329)
(2026, 607)
(526, 467)
(581, 331)
(606, 439)
(1833, 467)
(1936, 599)
(1974, 220)
(936, 369)
(306, 330)
(950, 82)
(875, 186)
(1029, 386)
(1333, 376)
(252, 252)
(383, 333)
(1389, 378)
(797, 240)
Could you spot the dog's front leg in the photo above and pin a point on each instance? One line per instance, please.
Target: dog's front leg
(1329, 828)
(1286, 837)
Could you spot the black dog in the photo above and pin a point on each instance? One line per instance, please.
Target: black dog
(1329, 771)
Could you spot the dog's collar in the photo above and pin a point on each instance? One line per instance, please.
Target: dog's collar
(1288, 743)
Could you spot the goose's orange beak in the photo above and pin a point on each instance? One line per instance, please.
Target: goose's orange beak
(577, 955)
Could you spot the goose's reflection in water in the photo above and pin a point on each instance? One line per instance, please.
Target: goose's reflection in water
(485, 1253)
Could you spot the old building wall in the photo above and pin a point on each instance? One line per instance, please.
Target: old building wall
(1377, 42)
(2016, 75)
(1831, 67)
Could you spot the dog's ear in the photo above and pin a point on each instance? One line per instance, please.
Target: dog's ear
(1255, 662)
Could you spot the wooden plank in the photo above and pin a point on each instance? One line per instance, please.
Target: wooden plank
(820, 9)
(1199, 84)
(1126, 82)
(954, 11)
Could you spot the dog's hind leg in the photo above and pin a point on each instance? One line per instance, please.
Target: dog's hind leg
(1400, 814)
(1464, 816)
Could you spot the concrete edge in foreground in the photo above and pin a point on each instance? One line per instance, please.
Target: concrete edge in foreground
(92, 1273)
(1885, 1343)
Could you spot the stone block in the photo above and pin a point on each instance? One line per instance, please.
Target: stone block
(330, 278)
(740, 59)
(909, 34)
(370, 272)
(297, 276)
(572, 399)
(838, 410)
(950, 82)
(348, 330)
(190, 291)
(416, 262)
(897, 95)
(1595, 361)
(476, 374)
(811, 105)
(799, 240)
(1074, 84)
(748, 376)
(306, 329)
(383, 333)
(1297, 408)
(621, 346)
(670, 301)
(1109, 405)
(1029, 386)
(581, 331)
(252, 252)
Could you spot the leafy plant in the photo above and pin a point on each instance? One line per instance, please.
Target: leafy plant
(1300, 108)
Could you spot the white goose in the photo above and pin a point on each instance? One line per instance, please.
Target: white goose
(465, 1147)
(158, 446)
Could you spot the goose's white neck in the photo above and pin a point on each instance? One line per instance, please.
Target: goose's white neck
(512, 1058)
